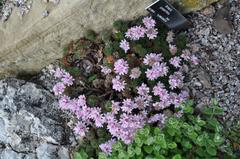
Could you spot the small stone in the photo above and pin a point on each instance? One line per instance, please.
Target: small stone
(223, 26)
(209, 11)
(45, 13)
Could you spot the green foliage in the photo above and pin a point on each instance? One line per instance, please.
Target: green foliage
(1, 3)
(192, 136)
(120, 25)
(105, 36)
(92, 100)
(89, 146)
(80, 155)
(90, 35)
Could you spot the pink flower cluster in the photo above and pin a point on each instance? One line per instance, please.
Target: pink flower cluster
(136, 32)
(186, 55)
(107, 146)
(147, 100)
(65, 80)
(124, 45)
(121, 67)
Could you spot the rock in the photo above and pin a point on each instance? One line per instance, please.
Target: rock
(221, 20)
(33, 42)
(187, 6)
(32, 126)
(209, 11)
(223, 26)
(46, 151)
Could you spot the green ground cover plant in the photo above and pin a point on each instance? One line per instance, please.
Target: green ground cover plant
(191, 136)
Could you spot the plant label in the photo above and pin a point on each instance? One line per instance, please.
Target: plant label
(167, 14)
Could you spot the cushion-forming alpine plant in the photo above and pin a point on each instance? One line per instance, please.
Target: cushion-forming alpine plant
(155, 83)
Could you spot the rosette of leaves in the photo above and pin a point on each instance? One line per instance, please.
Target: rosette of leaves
(193, 136)
(89, 146)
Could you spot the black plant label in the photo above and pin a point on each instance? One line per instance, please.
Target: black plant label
(167, 14)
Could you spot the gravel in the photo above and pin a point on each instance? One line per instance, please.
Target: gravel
(215, 38)
(23, 7)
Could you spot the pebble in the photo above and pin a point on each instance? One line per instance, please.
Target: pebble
(218, 51)
(45, 13)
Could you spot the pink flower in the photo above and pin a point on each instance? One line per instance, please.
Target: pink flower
(184, 95)
(149, 22)
(58, 89)
(175, 61)
(115, 107)
(174, 97)
(73, 106)
(135, 73)
(97, 117)
(180, 98)
(143, 90)
(81, 129)
(186, 55)
(172, 49)
(151, 33)
(157, 70)
(82, 101)
(194, 60)
(64, 102)
(107, 146)
(121, 67)
(83, 114)
(99, 121)
(110, 118)
(135, 33)
(157, 90)
(124, 45)
(178, 114)
(141, 102)
(176, 80)
(105, 70)
(152, 58)
(94, 112)
(128, 105)
(157, 117)
(152, 74)
(58, 73)
(118, 84)
(169, 38)
(160, 105)
(67, 79)
(128, 126)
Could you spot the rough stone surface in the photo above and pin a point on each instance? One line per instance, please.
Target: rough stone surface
(32, 127)
(187, 6)
(218, 75)
(29, 44)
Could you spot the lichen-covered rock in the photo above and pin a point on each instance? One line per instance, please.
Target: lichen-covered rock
(187, 6)
(31, 124)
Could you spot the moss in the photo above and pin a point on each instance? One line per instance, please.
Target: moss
(90, 35)
(120, 25)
